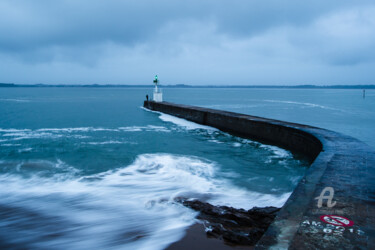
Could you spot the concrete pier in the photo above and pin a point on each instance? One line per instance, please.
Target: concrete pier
(333, 206)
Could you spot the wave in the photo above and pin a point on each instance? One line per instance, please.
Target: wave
(58, 170)
(277, 152)
(186, 175)
(132, 207)
(13, 130)
(215, 141)
(79, 129)
(184, 123)
(10, 144)
(181, 122)
(30, 135)
(145, 128)
(22, 150)
(107, 142)
(53, 133)
(13, 100)
(312, 105)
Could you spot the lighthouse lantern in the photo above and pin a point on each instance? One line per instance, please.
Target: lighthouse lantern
(158, 95)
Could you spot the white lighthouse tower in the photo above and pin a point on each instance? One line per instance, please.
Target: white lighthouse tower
(158, 95)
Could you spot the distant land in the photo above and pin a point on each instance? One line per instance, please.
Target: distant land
(12, 85)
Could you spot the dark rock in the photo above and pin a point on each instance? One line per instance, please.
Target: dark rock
(235, 226)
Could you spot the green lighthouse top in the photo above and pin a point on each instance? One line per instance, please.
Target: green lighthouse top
(156, 79)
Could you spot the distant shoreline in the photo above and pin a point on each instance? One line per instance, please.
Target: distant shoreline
(12, 85)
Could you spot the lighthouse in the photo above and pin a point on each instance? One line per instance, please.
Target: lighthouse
(158, 95)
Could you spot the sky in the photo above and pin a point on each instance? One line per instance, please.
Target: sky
(195, 42)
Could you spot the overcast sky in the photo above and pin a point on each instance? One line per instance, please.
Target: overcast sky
(216, 42)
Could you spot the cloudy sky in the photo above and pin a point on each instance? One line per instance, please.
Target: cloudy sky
(194, 42)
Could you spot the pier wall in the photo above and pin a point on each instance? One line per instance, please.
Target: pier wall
(342, 163)
(257, 128)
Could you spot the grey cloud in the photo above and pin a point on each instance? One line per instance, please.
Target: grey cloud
(43, 23)
(246, 41)
(30, 24)
(345, 37)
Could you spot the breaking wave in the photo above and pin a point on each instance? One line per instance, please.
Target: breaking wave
(180, 122)
(12, 134)
(132, 207)
(184, 123)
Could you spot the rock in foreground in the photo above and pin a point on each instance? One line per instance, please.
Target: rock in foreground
(234, 226)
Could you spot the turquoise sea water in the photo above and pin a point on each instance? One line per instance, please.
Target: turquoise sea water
(90, 168)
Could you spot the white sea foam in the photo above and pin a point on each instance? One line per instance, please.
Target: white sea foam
(78, 132)
(79, 129)
(13, 100)
(106, 142)
(131, 129)
(184, 123)
(30, 135)
(25, 150)
(13, 130)
(99, 129)
(180, 122)
(10, 144)
(157, 128)
(90, 216)
(216, 141)
(149, 110)
(79, 136)
(144, 128)
(248, 141)
(57, 170)
(189, 175)
(312, 105)
(277, 152)
(130, 208)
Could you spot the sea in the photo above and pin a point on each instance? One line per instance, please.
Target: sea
(89, 168)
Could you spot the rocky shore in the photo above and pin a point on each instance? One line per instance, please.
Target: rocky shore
(234, 226)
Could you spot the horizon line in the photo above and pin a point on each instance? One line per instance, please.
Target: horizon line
(352, 86)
